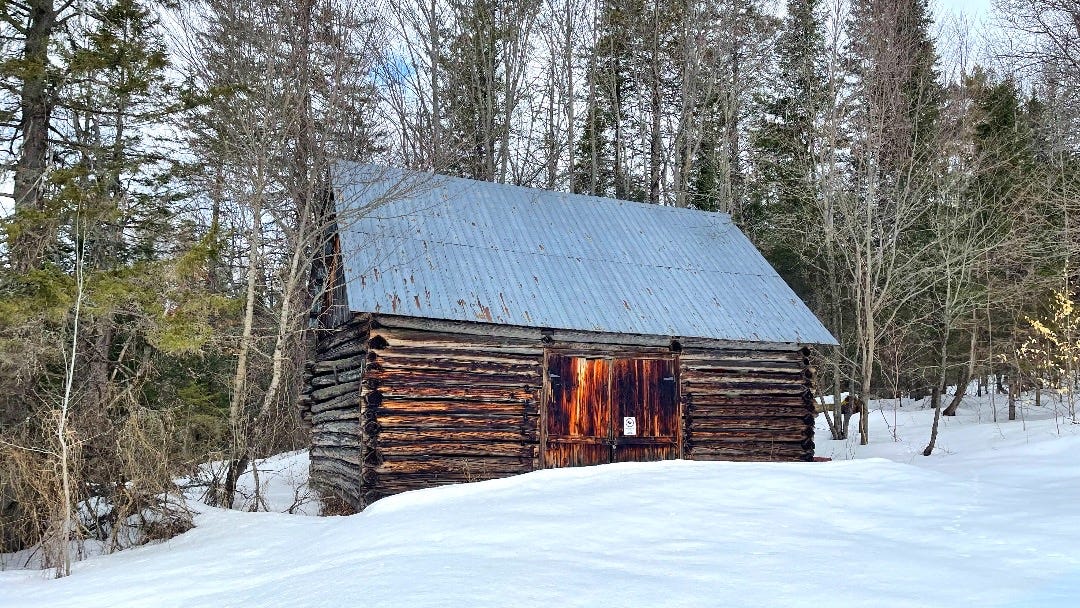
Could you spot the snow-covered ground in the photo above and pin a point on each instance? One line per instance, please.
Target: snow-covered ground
(991, 519)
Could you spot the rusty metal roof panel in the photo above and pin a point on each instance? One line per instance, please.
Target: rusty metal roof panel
(422, 245)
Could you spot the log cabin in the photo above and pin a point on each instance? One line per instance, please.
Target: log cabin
(469, 330)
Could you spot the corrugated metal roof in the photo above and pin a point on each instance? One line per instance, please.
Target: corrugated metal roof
(422, 245)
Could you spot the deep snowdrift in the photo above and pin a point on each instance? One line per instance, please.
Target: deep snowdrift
(990, 520)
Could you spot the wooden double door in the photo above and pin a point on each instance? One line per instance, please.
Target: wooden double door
(610, 409)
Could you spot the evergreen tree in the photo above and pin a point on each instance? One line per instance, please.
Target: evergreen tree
(601, 165)
(481, 75)
(787, 146)
(31, 81)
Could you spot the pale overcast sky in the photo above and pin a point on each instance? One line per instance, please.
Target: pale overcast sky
(977, 9)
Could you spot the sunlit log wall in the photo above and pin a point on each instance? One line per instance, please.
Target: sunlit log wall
(400, 403)
(747, 404)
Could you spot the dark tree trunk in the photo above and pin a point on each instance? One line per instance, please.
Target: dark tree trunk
(36, 106)
(965, 378)
(1012, 395)
(232, 476)
(935, 402)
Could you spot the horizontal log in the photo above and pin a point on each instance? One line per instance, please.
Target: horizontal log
(762, 444)
(477, 392)
(460, 364)
(348, 427)
(463, 467)
(748, 411)
(323, 467)
(331, 471)
(724, 435)
(377, 397)
(745, 395)
(338, 377)
(530, 382)
(790, 406)
(347, 415)
(331, 474)
(354, 331)
(452, 358)
(481, 435)
(742, 356)
(353, 348)
(463, 406)
(453, 421)
(704, 384)
(345, 388)
(447, 449)
(763, 451)
(527, 376)
(751, 424)
(565, 336)
(335, 439)
(709, 399)
(349, 401)
(740, 367)
(456, 327)
(776, 423)
(318, 367)
(493, 353)
(401, 436)
(726, 389)
(795, 376)
(346, 455)
(403, 336)
(331, 483)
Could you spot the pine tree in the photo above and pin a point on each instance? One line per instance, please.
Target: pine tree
(786, 141)
(481, 74)
(601, 165)
(32, 79)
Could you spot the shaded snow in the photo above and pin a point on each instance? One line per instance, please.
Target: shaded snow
(281, 481)
(989, 520)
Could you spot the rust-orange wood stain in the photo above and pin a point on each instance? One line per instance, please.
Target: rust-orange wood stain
(589, 399)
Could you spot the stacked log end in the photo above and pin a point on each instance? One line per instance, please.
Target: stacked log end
(743, 404)
(331, 405)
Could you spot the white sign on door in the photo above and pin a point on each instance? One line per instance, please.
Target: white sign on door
(629, 425)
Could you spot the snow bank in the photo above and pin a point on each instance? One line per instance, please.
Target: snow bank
(281, 481)
(989, 520)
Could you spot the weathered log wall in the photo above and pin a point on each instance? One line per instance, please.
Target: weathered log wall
(331, 405)
(399, 403)
(747, 404)
(447, 407)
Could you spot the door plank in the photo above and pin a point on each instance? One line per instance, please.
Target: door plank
(647, 391)
(579, 412)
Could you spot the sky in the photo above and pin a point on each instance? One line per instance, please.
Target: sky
(973, 8)
(980, 32)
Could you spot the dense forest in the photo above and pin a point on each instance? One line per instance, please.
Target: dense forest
(165, 165)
